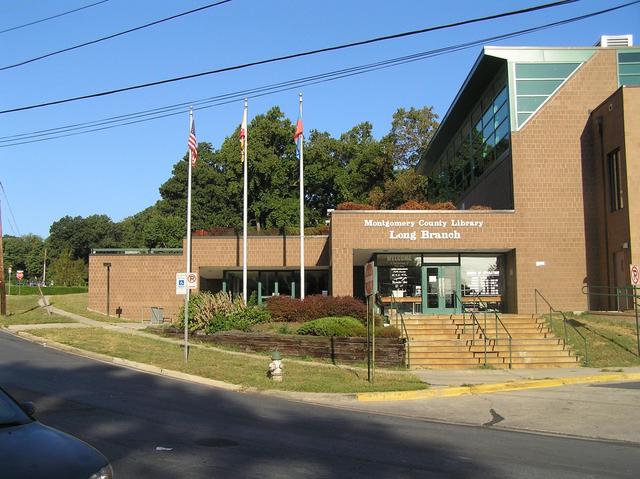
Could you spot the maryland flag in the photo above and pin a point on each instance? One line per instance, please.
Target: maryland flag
(243, 135)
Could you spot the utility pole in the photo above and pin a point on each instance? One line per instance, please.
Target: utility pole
(3, 296)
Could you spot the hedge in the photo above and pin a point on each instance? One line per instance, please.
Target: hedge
(284, 308)
(46, 290)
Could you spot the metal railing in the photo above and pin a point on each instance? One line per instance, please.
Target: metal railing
(475, 325)
(630, 294)
(393, 306)
(565, 321)
(497, 321)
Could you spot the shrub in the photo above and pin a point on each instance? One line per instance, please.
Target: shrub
(447, 205)
(239, 320)
(349, 205)
(319, 306)
(412, 205)
(284, 308)
(343, 326)
(205, 306)
(387, 332)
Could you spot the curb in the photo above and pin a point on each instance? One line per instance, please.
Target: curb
(130, 364)
(494, 388)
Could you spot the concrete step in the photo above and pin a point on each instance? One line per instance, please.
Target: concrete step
(493, 360)
(495, 366)
(480, 348)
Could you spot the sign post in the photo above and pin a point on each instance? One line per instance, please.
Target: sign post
(19, 276)
(635, 281)
(371, 320)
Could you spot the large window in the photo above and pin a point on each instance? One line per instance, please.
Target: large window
(616, 195)
(482, 275)
(277, 283)
(481, 141)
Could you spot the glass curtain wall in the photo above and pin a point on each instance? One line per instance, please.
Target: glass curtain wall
(482, 140)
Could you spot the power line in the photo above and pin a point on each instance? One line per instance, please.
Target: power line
(109, 37)
(302, 54)
(224, 99)
(52, 17)
(13, 226)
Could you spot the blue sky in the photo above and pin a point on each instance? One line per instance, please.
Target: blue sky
(118, 171)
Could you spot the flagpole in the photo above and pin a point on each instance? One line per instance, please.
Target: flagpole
(188, 245)
(245, 207)
(301, 207)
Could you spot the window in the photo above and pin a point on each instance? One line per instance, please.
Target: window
(536, 82)
(629, 68)
(616, 195)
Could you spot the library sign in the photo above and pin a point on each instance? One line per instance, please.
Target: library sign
(424, 229)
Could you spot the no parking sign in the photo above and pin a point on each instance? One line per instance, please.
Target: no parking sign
(635, 274)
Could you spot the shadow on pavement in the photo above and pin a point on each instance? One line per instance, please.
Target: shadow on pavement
(203, 432)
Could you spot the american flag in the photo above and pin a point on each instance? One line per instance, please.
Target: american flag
(193, 143)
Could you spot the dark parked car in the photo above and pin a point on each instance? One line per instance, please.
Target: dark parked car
(29, 449)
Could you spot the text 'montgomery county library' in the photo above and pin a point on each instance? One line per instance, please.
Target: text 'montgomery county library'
(547, 137)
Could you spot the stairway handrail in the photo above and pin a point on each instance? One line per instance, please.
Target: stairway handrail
(403, 330)
(564, 323)
(587, 289)
(474, 321)
(476, 296)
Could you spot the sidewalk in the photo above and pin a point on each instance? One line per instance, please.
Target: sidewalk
(605, 406)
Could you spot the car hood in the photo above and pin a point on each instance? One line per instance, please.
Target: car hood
(36, 451)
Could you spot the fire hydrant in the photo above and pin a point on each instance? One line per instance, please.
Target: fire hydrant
(275, 367)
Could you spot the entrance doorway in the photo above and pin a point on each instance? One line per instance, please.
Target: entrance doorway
(441, 286)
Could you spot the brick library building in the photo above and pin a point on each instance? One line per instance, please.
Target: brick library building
(547, 138)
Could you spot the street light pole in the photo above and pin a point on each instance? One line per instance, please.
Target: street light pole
(108, 266)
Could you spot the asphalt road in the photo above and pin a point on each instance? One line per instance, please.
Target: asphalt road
(206, 433)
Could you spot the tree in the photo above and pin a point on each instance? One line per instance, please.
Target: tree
(162, 231)
(411, 132)
(366, 162)
(152, 229)
(325, 175)
(79, 235)
(66, 271)
(24, 253)
(405, 185)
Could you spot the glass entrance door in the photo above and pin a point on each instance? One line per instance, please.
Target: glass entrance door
(441, 283)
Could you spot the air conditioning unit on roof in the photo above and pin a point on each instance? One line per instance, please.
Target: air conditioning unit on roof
(615, 41)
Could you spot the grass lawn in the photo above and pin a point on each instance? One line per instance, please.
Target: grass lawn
(233, 368)
(77, 303)
(25, 310)
(611, 340)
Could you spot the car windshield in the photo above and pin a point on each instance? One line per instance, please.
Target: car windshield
(10, 412)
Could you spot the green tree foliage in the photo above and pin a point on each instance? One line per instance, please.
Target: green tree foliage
(152, 229)
(411, 132)
(67, 271)
(78, 235)
(24, 253)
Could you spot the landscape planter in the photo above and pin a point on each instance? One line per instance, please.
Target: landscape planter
(389, 351)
